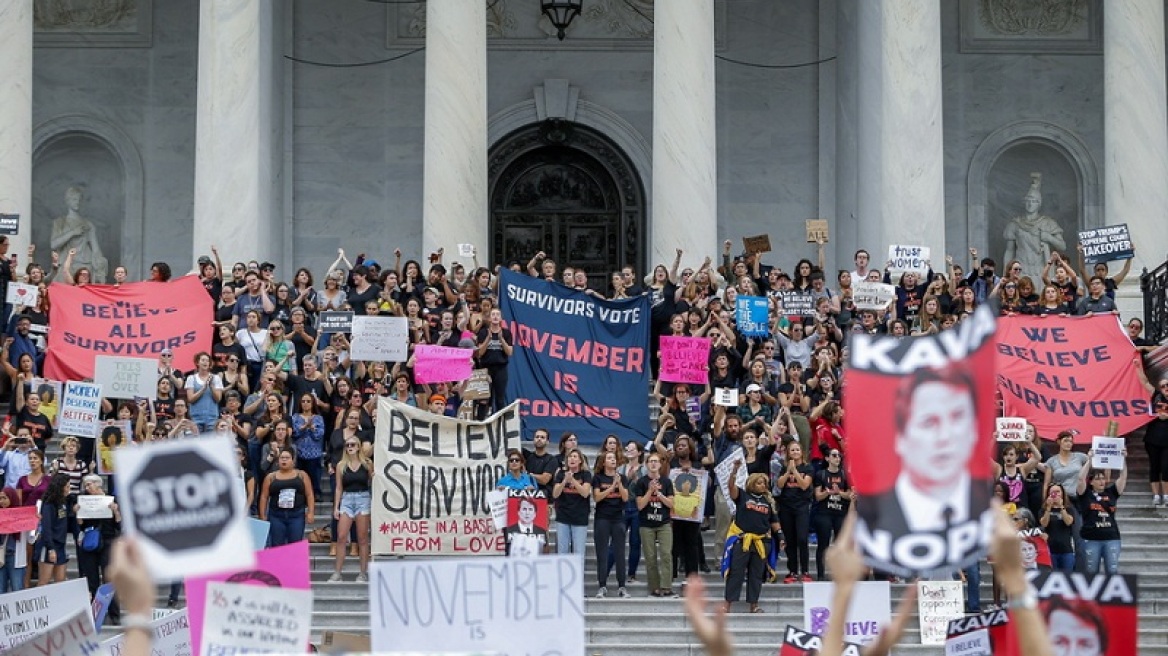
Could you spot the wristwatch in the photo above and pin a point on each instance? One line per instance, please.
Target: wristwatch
(1027, 600)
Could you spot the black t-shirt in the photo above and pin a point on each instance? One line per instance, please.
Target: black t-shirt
(220, 353)
(611, 506)
(214, 287)
(754, 514)
(545, 464)
(1059, 534)
(571, 508)
(299, 385)
(654, 513)
(223, 313)
(494, 356)
(1098, 511)
(834, 504)
(793, 496)
(38, 427)
(357, 300)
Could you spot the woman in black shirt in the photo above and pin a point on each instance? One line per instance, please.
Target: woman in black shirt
(833, 497)
(754, 520)
(1056, 519)
(795, 512)
(610, 490)
(573, 485)
(1097, 503)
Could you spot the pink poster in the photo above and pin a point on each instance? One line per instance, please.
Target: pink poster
(278, 567)
(685, 359)
(438, 364)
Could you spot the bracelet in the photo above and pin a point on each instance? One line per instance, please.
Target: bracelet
(137, 622)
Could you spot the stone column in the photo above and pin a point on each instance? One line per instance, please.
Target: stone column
(1135, 132)
(685, 155)
(901, 162)
(237, 148)
(16, 123)
(454, 183)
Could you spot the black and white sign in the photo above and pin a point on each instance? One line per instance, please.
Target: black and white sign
(798, 304)
(9, 224)
(1106, 244)
(872, 295)
(186, 506)
(336, 322)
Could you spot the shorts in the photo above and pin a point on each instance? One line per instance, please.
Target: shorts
(355, 503)
(41, 554)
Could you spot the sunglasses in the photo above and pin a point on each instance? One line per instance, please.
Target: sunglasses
(514, 460)
(350, 444)
(276, 328)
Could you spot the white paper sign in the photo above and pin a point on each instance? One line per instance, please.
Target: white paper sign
(481, 604)
(380, 339)
(722, 471)
(1010, 429)
(28, 612)
(94, 506)
(1107, 452)
(20, 293)
(937, 603)
(974, 643)
(172, 635)
(872, 295)
(497, 500)
(526, 546)
(126, 378)
(870, 610)
(72, 636)
(80, 409)
(466, 250)
(908, 258)
(183, 501)
(252, 619)
(727, 396)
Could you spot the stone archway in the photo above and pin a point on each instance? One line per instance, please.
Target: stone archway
(566, 189)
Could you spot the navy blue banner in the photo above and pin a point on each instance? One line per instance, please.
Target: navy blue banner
(580, 364)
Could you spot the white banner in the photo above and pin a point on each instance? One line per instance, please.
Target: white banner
(80, 409)
(872, 295)
(1107, 452)
(870, 610)
(380, 339)
(508, 605)
(72, 636)
(28, 612)
(126, 378)
(252, 619)
(172, 635)
(722, 471)
(937, 603)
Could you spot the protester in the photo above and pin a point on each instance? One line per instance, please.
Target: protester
(654, 494)
(15, 558)
(286, 501)
(1057, 520)
(572, 489)
(833, 499)
(794, 513)
(610, 491)
(1097, 505)
(204, 389)
(754, 521)
(352, 503)
(52, 534)
(1156, 443)
(1065, 468)
(93, 553)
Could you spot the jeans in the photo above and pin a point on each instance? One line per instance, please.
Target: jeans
(1080, 547)
(1105, 550)
(972, 588)
(571, 539)
(633, 530)
(314, 469)
(287, 526)
(11, 577)
(657, 548)
(1063, 562)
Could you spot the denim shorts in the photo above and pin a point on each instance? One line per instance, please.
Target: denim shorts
(355, 503)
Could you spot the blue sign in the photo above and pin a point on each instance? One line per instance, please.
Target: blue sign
(579, 364)
(752, 314)
(101, 603)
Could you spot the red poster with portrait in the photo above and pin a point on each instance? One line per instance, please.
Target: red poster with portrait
(920, 414)
(797, 642)
(527, 512)
(1085, 614)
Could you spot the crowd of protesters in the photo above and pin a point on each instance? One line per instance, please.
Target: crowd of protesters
(302, 410)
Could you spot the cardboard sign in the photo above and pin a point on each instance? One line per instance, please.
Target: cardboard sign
(685, 359)
(439, 364)
(72, 636)
(420, 459)
(482, 606)
(26, 613)
(94, 506)
(908, 258)
(869, 611)
(478, 386)
(339, 642)
(1010, 429)
(1106, 244)
(20, 293)
(872, 295)
(722, 472)
(9, 224)
(757, 244)
(1107, 452)
(172, 634)
(126, 378)
(15, 520)
(111, 436)
(817, 231)
(252, 619)
(80, 409)
(283, 567)
(335, 322)
(752, 315)
(900, 386)
(380, 339)
(689, 494)
(726, 396)
(798, 304)
(185, 506)
(937, 603)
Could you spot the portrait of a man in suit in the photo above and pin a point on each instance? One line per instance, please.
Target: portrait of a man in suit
(525, 520)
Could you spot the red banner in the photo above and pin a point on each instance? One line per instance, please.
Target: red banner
(136, 320)
(1070, 372)
(15, 520)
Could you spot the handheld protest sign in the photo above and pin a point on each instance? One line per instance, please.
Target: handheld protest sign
(381, 339)
(72, 636)
(1010, 429)
(1097, 613)
(689, 494)
(126, 378)
(797, 642)
(817, 230)
(905, 258)
(1106, 244)
(335, 321)
(927, 409)
(723, 470)
(937, 603)
(171, 630)
(869, 610)
(232, 611)
(977, 635)
(1107, 452)
(752, 315)
(186, 507)
(685, 359)
(437, 364)
(25, 613)
(80, 409)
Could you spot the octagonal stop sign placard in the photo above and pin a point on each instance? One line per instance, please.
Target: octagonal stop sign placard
(184, 502)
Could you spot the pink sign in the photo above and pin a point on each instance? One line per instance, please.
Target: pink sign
(278, 567)
(438, 364)
(685, 359)
(16, 520)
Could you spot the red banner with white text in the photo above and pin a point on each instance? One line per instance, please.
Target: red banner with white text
(1061, 373)
(139, 320)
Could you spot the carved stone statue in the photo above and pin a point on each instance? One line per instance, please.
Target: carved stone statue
(74, 231)
(1031, 237)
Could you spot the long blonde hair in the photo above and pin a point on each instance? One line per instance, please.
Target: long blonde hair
(750, 480)
(360, 458)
